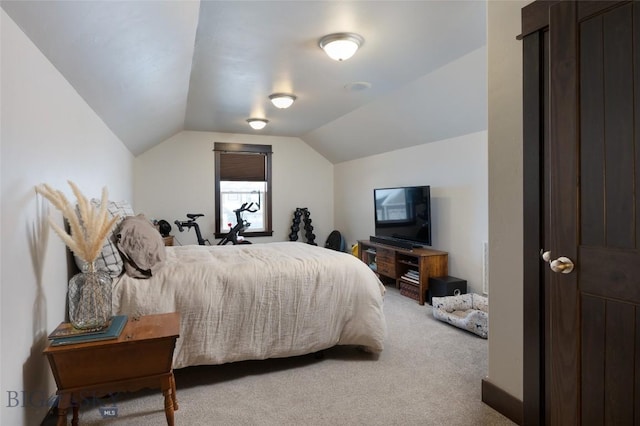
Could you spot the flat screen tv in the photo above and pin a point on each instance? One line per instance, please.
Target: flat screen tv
(403, 214)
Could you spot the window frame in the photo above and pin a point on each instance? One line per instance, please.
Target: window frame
(220, 148)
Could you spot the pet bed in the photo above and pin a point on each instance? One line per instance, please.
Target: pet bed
(467, 311)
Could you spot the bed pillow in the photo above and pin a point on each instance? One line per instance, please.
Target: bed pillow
(141, 246)
(109, 259)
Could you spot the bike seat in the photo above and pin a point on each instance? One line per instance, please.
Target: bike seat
(194, 215)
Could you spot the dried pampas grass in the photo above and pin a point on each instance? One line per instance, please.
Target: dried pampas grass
(89, 225)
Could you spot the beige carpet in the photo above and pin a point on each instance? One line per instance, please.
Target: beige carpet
(429, 374)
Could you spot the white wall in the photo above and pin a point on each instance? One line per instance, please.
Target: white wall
(505, 195)
(456, 170)
(48, 135)
(178, 177)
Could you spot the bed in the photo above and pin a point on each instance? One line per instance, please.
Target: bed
(259, 301)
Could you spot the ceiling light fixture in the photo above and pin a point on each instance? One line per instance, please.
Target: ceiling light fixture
(257, 123)
(341, 46)
(282, 100)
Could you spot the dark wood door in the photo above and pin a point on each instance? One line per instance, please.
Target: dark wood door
(588, 368)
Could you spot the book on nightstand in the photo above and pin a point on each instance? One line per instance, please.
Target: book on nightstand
(66, 334)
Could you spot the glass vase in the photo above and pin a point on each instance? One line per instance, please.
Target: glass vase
(89, 298)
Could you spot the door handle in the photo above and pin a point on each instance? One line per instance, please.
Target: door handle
(561, 264)
(546, 255)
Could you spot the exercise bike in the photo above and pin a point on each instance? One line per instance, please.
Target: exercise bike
(232, 236)
(241, 224)
(191, 223)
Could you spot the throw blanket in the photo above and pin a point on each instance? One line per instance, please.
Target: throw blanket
(259, 301)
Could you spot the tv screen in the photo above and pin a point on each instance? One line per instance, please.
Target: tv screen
(403, 213)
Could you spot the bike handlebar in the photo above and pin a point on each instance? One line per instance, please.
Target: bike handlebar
(247, 208)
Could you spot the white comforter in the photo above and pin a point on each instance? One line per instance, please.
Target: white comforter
(259, 301)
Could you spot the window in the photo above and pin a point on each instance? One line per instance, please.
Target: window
(243, 175)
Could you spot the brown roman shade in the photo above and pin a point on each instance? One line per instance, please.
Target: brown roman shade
(242, 162)
(243, 167)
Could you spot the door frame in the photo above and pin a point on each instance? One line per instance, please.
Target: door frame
(535, 22)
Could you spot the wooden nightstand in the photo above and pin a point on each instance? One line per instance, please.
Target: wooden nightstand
(168, 240)
(141, 357)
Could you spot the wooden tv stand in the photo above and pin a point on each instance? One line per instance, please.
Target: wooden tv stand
(394, 263)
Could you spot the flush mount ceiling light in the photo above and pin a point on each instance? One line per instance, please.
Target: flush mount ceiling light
(282, 100)
(341, 46)
(257, 123)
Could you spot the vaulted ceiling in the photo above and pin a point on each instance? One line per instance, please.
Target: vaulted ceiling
(150, 69)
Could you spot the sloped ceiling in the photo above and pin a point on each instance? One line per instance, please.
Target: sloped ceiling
(153, 68)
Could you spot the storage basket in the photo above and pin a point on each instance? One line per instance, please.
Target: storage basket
(409, 290)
